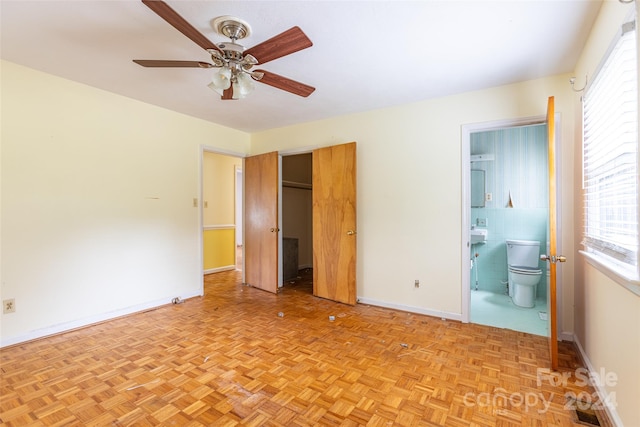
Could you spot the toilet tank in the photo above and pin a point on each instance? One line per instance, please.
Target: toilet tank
(523, 253)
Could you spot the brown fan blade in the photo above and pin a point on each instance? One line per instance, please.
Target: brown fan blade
(179, 23)
(160, 63)
(281, 45)
(285, 83)
(228, 93)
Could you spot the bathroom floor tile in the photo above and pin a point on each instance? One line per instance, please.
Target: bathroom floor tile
(492, 309)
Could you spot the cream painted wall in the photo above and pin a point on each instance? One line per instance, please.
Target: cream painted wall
(610, 338)
(607, 316)
(409, 187)
(97, 202)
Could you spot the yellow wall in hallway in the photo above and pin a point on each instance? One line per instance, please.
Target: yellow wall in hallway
(218, 188)
(218, 210)
(219, 248)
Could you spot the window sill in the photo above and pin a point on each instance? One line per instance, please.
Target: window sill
(613, 272)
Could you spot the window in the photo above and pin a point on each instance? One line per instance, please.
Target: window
(610, 150)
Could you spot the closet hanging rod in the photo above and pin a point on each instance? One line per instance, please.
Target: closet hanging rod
(293, 184)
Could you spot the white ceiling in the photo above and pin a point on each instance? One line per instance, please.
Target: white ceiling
(366, 54)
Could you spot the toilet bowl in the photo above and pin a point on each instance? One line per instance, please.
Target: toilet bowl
(523, 271)
(522, 285)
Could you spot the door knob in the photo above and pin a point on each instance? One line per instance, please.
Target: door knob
(553, 258)
(274, 229)
(351, 233)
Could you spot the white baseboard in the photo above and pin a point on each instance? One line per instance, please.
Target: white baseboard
(603, 395)
(566, 336)
(219, 269)
(411, 309)
(88, 321)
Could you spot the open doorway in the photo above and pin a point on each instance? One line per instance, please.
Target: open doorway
(221, 212)
(509, 204)
(297, 222)
(333, 224)
(501, 202)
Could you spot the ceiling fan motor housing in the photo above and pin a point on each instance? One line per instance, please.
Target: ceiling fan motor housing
(232, 51)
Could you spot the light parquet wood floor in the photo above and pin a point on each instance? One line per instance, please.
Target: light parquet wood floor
(230, 359)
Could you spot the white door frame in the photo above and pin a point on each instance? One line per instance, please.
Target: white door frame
(239, 211)
(467, 130)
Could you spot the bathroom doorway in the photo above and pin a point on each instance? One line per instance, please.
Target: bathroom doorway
(511, 162)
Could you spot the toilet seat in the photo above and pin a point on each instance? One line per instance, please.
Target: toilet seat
(525, 270)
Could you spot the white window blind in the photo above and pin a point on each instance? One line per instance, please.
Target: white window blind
(610, 148)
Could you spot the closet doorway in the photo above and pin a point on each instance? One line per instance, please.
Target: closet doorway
(333, 224)
(297, 222)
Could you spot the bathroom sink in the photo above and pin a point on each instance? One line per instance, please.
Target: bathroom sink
(479, 235)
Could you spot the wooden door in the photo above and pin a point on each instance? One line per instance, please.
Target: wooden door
(261, 221)
(552, 256)
(334, 223)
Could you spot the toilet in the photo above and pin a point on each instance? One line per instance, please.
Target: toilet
(524, 272)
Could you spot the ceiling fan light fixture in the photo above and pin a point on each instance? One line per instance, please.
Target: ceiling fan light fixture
(214, 88)
(221, 79)
(244, 84)
(236, 92)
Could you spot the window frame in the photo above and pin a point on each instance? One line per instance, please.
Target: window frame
(624, 274)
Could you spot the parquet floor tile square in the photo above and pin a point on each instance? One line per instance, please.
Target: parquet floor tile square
(230, 359)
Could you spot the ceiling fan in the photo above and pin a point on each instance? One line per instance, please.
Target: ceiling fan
(235, 77)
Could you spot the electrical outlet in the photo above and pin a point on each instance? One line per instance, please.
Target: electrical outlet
(488, 197)
(481, 222)
(417, 283)
(195, 202)
(8, 306)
